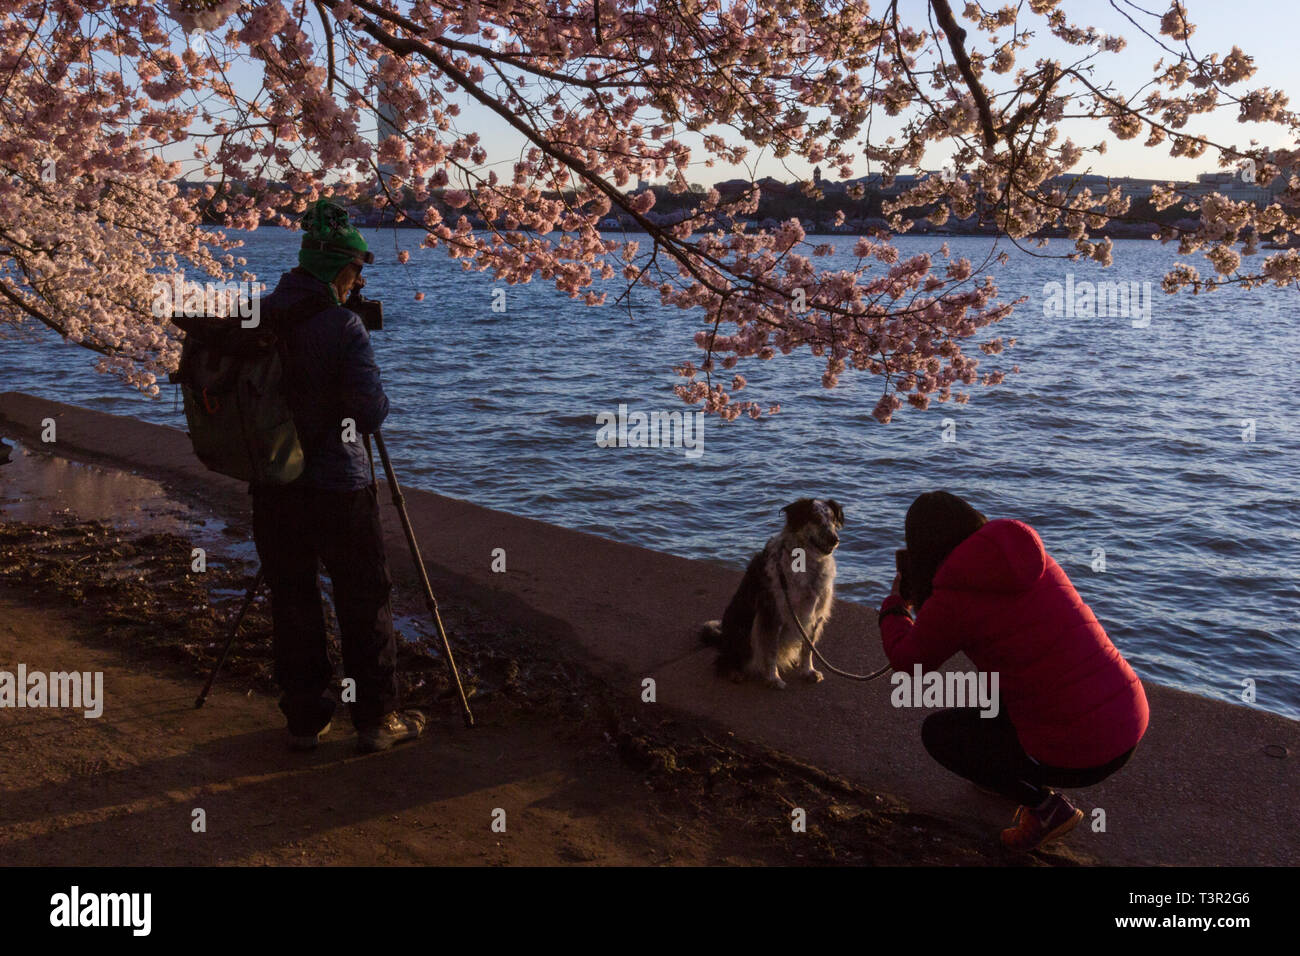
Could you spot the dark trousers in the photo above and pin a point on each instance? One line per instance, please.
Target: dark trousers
(294, 526)
(986, 751)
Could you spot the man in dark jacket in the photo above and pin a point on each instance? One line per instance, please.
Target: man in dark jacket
(331, 513)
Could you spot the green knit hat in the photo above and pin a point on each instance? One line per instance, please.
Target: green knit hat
(329, 241)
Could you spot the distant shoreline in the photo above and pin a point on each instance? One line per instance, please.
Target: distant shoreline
(1100, 233)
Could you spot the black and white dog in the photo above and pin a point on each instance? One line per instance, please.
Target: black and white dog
(757, 637)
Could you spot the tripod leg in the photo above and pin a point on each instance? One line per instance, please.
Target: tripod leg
(230, 639)
(399, 502)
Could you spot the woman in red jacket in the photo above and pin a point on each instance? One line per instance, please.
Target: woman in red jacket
(1072, 710)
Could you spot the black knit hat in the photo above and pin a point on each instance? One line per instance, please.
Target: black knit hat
(936, 523)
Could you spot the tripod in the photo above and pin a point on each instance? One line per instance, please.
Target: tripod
(430, 602)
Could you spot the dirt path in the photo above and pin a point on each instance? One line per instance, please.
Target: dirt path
(578, 780)
(123, 788)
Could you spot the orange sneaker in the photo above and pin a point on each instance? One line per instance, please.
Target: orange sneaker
(1032, 828)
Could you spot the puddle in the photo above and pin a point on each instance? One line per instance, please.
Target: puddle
(36, 487)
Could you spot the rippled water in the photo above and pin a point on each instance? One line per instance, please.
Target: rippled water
(1111, 437)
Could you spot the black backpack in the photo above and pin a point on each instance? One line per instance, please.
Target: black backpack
(232, 382)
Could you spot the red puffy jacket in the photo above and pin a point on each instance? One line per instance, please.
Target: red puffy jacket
(1001, 599)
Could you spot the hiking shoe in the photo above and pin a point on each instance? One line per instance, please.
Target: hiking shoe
(1033, 827)
(397, 726)
(304, 742)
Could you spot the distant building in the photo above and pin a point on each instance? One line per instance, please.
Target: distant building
(732, 187)
(1239, 186)
(1230, 183)
(768, 185)
(387, 118)
(875, 183)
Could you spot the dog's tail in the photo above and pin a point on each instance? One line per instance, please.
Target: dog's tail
(710, 633)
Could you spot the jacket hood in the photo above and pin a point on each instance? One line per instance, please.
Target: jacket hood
(299, 294)
(1004, 555)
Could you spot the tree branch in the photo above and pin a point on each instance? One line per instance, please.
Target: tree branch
(956, 37)
(329, 46)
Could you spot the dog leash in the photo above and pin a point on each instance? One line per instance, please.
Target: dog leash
(785, 591)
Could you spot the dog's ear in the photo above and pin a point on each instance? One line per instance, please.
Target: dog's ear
(836, 510)
(799, 513)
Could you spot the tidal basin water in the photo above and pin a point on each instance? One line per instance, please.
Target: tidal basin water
(1173, 448)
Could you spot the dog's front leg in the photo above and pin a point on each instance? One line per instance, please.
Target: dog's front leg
(772, 661)
(806, 669)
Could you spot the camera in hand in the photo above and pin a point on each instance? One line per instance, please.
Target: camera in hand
(371, 311)
(901, 565)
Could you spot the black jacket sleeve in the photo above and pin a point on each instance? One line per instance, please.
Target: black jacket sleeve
(360, 391)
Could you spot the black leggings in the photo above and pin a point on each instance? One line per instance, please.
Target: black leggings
(985, 751)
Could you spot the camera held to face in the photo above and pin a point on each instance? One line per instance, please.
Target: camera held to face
(902, 564)
(370, 310)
